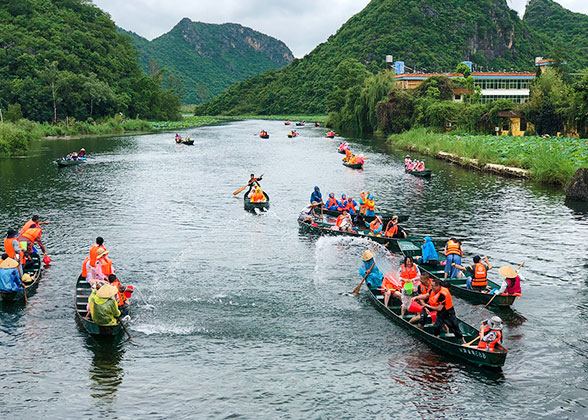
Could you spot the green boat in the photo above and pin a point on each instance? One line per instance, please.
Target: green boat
(83, 291)
(385, 217)
(33, 268)
(264, 136)
(321, 228)
(446, 342)
(421, 174)
(63, 163)
(353, 165)
(262, 206)
(457, 286)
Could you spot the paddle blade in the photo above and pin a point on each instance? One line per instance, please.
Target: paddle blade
(239, 190)
(46, 260)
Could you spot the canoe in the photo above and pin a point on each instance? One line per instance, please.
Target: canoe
(322, 228)
(263, 206)
(369, 219)
(331, 137)
(188, 142)
(341, 151)
(422, 174)
(292, 135)
(446, 342)
(287, 123)
(265, 136)
(457, 286)
(354, 165)
(300, 124)
(83, 291)
(62, 162)
(34, 269)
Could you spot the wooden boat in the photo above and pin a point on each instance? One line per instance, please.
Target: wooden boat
(446, 342)
(33, 268)
(353, 165)
(421, 174)
(83, 291)
(321, 228)
(264, 136)
(287, 123)
(385, 218)
(189, 142)
(262, 206)
(292, 135)
(457, 286)
(300, 124)
(341, 152)
(63, 163)
(332, 136)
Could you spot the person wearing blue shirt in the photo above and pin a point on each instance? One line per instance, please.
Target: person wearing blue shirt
(9, 275)
(375, 276)
(316, 195)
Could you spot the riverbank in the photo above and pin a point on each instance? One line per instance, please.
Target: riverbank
(545, 160)
(16, 137)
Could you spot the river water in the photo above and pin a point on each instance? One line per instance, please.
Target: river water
(238, 315)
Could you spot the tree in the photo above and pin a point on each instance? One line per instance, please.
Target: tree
(50, 74)
(97, 92)
(13, 113)
(464, 69)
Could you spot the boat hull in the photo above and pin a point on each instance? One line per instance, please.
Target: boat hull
(65, 163)
(249, 206)
(420, 174)
(354, 165)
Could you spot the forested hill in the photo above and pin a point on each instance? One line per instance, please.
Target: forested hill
(432, 35)
(65, 58)
(567, 29)
(208, 58)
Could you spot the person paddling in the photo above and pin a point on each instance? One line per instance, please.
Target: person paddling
(511, 284)
(253, 182)
(369, 268)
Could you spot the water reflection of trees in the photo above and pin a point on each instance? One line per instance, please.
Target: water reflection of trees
(106, 372)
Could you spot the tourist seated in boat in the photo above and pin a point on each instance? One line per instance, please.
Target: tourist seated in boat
(410, 278)
(478, 281)
(429, 253)
(453, 252)
(98, 274)
(343, 146)
(332, 203)
(74, 156)
(360, 159)
(252, 183)
(420, 166)
(103, 307)
(490, 333)
(370, 205)
(362, 203)
(344, 222)
(422, 294)
(353, 160)
(407, 162)
(29, 238)
(9, 274)
(258, 196)
(82, 153)
(375, 226)
(12, 248)
(393, 230)
(440, 300)
(342, 203)
(351, 206)
(369, 268)
(263, 133)
(309, 213)
(123, 294)
(511, 285)
(348, 155)
(316, 195)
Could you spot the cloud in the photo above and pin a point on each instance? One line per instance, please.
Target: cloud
(301, 24)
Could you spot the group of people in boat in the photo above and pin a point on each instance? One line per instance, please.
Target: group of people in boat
(255, 193)
(293, 133)
(352, 159)
(19, 248)
(413, 165)
(263, 133)
(179, 139)
(81, 155)
(425, 299)
(331, 134)
(109, 299)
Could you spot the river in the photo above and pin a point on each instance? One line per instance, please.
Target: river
(244, 316)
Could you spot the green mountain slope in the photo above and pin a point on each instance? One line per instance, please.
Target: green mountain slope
(567, 29)
(66, 59)
(209, 58)
(432, 35)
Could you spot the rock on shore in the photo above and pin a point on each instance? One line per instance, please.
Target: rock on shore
(577, 187)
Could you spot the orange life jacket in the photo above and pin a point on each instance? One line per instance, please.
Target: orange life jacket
(350, 206)
(374, 226)
(391, 230)
(26, 227)
(371, 204)
(422, 290)
(9, 247)
(339, 221)
(94, 254)
(435, 297)
(122, 299)
(331, 202)
(408, 273)
(106, 265)
(490, 345)
(453, 248)
(85, 267)
(388, 284)
(32, 234)
(480, 278)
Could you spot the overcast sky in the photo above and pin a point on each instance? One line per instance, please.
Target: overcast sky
(301, 24)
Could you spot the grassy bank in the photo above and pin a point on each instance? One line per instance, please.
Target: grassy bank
(551, 160)
(292, 118)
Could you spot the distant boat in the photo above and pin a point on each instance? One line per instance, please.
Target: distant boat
(422, 174)
(62, 162)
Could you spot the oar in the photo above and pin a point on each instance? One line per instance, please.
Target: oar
(496, 294)
(24, 291)
(125, 328)
(358, 288)
(472, 342)
(240, 189)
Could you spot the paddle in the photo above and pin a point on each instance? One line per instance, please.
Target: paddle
(496, 294)
(24, 291)
(471, 342)
(125, 328)
(358, 288)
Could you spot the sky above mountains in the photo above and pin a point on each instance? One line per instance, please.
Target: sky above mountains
(301, 24)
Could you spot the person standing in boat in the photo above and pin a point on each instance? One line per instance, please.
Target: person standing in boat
(316, 195)
(511, 285)
(478, 281)
(9, 275)
(440, 301)
(35, 220)
(32, 236)
(253, 182)
(369, 268)
(407, 162)
(453, 252)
